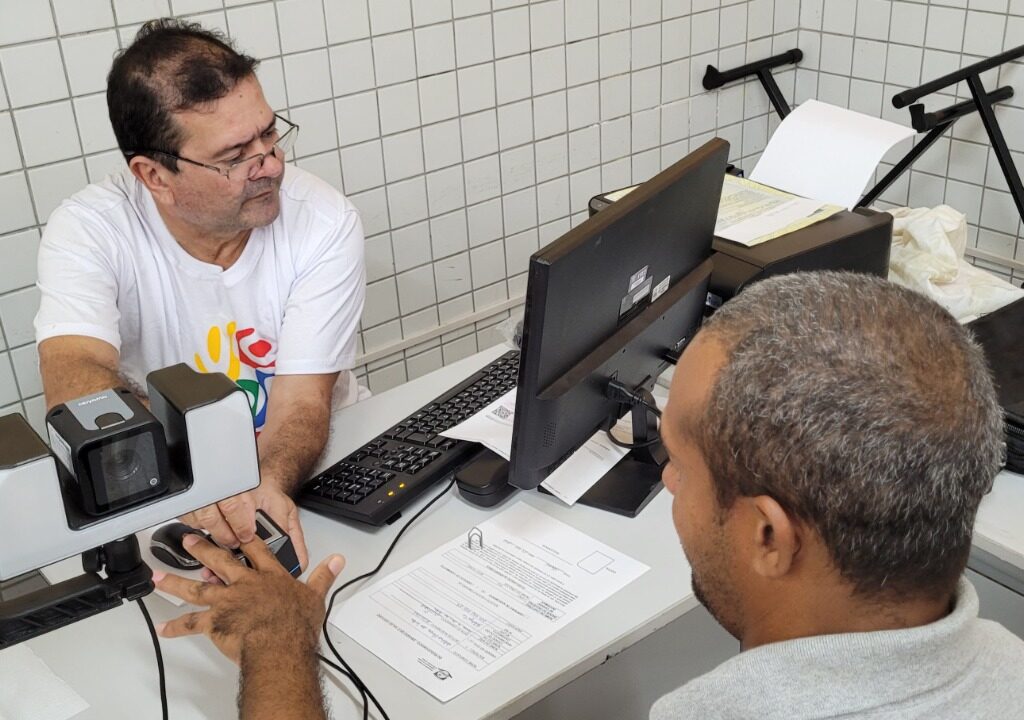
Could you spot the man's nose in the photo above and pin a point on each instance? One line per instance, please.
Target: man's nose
(271, 166)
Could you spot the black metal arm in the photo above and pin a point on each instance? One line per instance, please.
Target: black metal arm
(713, 78)
(901, 100)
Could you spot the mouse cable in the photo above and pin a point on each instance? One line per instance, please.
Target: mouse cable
(360, 685)
(159, 657)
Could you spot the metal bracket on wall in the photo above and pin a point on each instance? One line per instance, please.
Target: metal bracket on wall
(713, 78)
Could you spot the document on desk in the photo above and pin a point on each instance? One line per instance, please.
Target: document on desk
(750, 213)
(827, 152)
(492, 428)
(472, 606)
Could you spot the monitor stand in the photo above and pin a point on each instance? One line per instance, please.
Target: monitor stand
(625, 489)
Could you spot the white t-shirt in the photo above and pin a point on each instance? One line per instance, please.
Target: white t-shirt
(290, 304)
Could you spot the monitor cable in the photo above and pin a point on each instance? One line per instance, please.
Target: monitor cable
(619, 392)
(345, 668)
(159, 657)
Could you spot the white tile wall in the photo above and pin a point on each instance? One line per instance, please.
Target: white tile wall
(467, 132)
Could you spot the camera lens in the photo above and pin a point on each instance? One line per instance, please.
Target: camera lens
(121, 464)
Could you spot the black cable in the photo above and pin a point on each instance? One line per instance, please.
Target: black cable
(159, 657)
(632, 446)
(348, 671)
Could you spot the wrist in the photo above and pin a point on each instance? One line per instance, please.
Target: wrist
(274, 646)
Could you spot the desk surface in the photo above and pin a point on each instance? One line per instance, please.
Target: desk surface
(109, 660)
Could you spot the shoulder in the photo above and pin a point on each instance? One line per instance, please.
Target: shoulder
(306, 197)
(707, 697)
(102, 215)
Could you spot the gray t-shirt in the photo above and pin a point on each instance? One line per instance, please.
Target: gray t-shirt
(958, 667)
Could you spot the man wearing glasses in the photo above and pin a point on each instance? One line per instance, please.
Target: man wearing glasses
(204, 251)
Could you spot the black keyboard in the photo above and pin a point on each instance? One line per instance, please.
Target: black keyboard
(377, 481)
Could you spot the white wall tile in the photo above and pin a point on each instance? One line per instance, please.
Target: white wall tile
(485, 222)
(47, 133)
(138, 11)
(435, 49)
(381, 302)
(394, 58)
(442, 145)
(425, 12)
(403, 155)
(512, 35)
(512, 76)
(411, 245)
(74, 16)
(583, 105)
(8, 385)
(448, 234)
(352, 67)
(547, 24)
(518, 249)
(407, 202)
(88, 59)
(615, 97)
(346, 20)
(548, 70)
(645, 89)
(582, 64)
(452, 276)
(357, 118)
(26, 369)
(615, 139)
(51, 184)
(308, 77)
(439, 97)
(271, 76)
(488, 263)
(445, 190)
(473, 40)
(373, 208)
(362, 166)
(909, 20)
(380, 261)
(582, 18)
(614, 15)
(945, 28)
(399, 107)
(515, 124)
(34, 73)
(301, 25)
(250, 28)
(517, 169)
(388, 16)
(476, 88)
(479, 134)
(416, 289)
(19, 252)
(326, 166)
(483, 179)
(10, 156)
(17, 311)
(553, 199)
(549, 114)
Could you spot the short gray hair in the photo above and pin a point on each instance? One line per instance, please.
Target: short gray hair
(865, 410)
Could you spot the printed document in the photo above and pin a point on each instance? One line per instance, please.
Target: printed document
(826, 152)
(750, 213)
(492, 428)
(475, 604)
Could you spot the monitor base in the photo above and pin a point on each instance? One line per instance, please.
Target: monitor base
(625, 489)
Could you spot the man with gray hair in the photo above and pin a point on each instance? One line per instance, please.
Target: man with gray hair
(830, 437)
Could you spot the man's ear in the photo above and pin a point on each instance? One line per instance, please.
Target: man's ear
(776, 537)
(154, 176)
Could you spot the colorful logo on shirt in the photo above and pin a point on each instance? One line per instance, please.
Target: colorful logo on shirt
(228, 350)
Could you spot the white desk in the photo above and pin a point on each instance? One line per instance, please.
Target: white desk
(109, 659)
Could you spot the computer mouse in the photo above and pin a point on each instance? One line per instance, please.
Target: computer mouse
(166, 546)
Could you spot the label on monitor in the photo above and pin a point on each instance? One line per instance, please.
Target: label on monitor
(634, 298)
(660, 288)
(637, 278)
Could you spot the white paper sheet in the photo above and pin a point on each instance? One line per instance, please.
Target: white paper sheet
(492, 428)
(461, 613)
(826, 152)
(750, 213)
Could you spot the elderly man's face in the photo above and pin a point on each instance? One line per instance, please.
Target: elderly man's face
(698, 518)
(237, 126)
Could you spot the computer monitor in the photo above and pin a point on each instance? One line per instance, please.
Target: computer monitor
(615, 298)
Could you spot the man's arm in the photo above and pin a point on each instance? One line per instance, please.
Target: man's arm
(298, 417)
(75, 365)
(264, 620)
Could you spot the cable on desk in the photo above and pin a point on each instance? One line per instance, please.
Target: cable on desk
(348, 671)
(159, 657)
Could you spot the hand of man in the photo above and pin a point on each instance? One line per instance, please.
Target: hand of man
(232, 522)
(262, 607)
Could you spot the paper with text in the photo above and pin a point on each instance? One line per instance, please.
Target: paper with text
(751, 213)
(826, 152)
(492, 428)
(469, 608)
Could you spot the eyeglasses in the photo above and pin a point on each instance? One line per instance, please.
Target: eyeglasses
(246, 167)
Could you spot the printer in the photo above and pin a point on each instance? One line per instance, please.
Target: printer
(857, 240)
